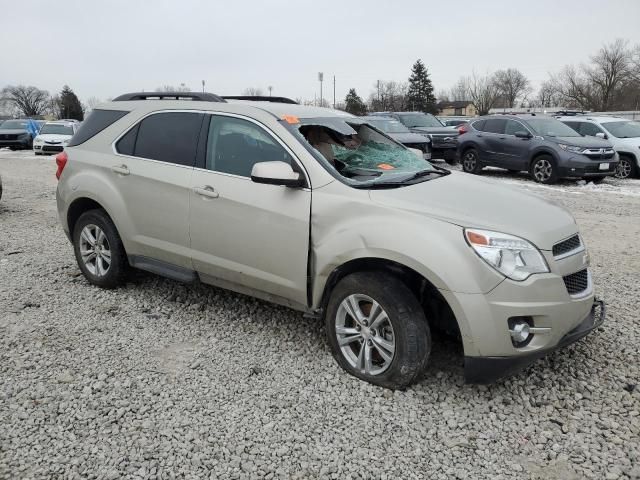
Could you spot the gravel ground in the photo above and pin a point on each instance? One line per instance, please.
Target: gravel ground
(157, 380)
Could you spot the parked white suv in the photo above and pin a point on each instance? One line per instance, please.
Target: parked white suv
(624, 134)
(318, 210)
(54, 136)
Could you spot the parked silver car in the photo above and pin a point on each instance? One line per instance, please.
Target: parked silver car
(314, 209)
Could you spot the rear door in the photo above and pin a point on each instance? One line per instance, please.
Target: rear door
(493, 130)
(152, 171)
(246, 234)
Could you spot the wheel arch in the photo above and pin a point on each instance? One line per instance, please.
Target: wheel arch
(436, 308)
(78, 207)
(540, 152)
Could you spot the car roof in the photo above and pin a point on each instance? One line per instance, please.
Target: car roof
(593, 118)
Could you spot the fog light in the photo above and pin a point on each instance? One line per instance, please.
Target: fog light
(520, 332)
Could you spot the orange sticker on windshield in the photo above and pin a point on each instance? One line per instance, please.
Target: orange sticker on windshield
(291, 119)
(386, 166)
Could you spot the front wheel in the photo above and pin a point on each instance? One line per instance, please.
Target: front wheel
(543, 170)
(625, 168)
(377, 330)
(471, 161)
(99, 250)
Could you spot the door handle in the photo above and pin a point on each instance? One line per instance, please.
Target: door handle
(206, 191)
(120, 169)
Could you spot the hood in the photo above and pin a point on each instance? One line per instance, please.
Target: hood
(469, 201)
(586, 142)
(409, 137)
(54, 137)
(436, 130)
(12, 131)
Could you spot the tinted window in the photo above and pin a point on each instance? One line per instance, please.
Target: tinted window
(494, 125)
(478, 125)
(235, 145)
(574, 125)
(126, 145)
(512, 127)
(590, 129)
(97, 121)
(169, 137)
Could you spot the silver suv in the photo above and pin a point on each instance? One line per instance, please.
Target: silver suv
(318, 210)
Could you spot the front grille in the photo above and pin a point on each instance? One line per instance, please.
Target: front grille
(50, 148)
(6, 136)
(420, 146)
(599, 154)
(577, 282)
(567, 245)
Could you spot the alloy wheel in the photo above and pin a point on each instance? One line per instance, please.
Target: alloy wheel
(542, 170)
(95, 250)
(623, 169)
(365, 334)
(469, 161)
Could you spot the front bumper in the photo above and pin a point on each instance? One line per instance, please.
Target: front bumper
(21, 143)
(483, 370)
(578, 166)
(48, 148)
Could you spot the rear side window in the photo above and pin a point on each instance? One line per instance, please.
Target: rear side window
(97, 121)
(494, 125)
(168, 137)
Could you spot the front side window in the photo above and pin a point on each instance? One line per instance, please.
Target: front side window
(168, 137)
(512, 127)
(235, 145)
(589, 129)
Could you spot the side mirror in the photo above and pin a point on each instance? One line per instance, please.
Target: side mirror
(417, 153)
(522, 134)
(601, 135)
(276, 173)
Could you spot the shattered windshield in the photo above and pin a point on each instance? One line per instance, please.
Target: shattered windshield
(363, 155)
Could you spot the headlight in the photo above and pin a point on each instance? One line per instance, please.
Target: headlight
(571, 148)
(37, 140)
(512, 256)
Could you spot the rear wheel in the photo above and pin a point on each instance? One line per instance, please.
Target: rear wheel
(625, 167)
(99, 250)
(377, 330)
(471, 161)
(543, 170)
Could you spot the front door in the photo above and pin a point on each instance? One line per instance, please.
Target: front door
(244, 233)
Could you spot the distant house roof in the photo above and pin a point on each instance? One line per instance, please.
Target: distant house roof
(454, 104)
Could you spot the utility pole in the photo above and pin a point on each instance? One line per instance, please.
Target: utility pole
(202, 86)
(320, 78)
(334, 92)
(270, 88)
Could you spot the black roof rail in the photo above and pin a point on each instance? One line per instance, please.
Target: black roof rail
(260, 98)
(195, 96)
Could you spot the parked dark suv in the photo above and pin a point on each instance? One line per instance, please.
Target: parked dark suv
(443, 139)
(545, 147)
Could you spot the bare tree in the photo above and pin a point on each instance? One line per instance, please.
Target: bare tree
(512, 85)
(442, 96)
(610, 69)
(29, 101)
(575, 90)
(253, 92)
(458, 92)
(171, 88)
(93, 102)
(389, 95)
(547, 94)
(482, 91)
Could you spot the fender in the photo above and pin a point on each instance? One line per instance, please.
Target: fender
(542, 150)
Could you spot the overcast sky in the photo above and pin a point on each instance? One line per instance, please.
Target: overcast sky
(106, 47)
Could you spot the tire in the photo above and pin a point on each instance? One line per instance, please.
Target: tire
(397, 320)
(97, 268)
(471, 161)
(543, 170)
(625, 168)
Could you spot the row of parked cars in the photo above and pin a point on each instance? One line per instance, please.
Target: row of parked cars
(41, 136)
(549, 148)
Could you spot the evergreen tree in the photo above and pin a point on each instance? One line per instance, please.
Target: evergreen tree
(70, 106)
(420, 96)
(354, 104)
